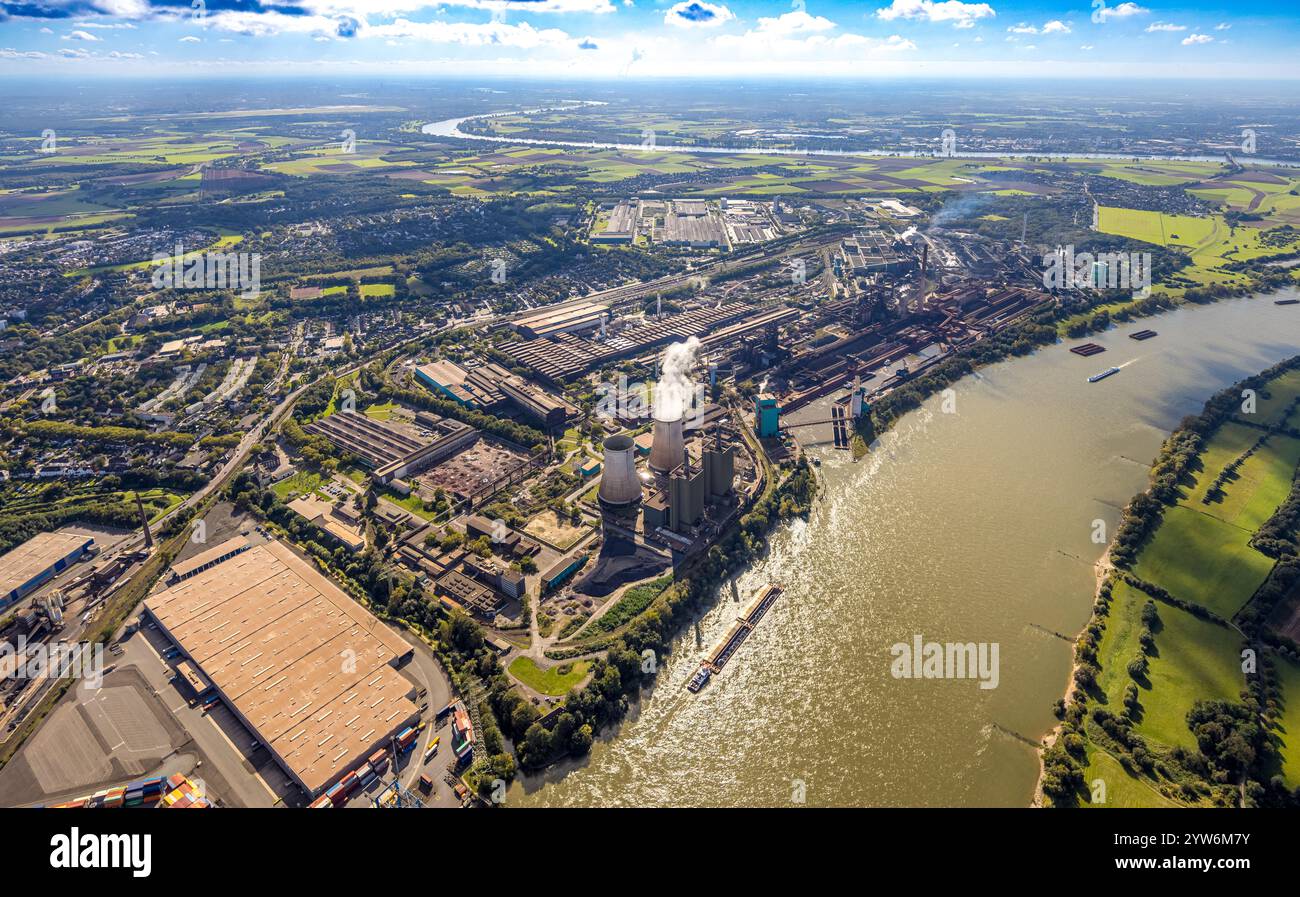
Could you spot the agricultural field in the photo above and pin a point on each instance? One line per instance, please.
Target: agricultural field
(1201, 559)
(1256, 489)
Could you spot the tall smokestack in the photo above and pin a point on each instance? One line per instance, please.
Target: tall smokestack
(619, 486)
(925, 257)
(144, 521)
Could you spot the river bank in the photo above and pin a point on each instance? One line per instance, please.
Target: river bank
(970, 526)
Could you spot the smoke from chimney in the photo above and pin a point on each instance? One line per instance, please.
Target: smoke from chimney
(675, 390)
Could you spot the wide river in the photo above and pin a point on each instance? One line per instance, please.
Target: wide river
(970, 526)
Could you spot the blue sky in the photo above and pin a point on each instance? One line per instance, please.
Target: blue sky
(657, 38)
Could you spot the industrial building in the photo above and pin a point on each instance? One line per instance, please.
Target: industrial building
(392, 452)
(475, 388)
(690, 222)
(620, 227)
(38, 560)
(873, 251)
(577, 318)
(489, 386)
(309, 671)
(566, 355)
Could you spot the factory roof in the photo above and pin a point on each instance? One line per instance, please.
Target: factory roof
(304, 664)
(35, 556)
(190, 564)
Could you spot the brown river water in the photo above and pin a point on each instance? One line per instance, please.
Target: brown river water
(970, 526)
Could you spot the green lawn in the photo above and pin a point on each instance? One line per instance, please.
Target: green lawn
(1201, 559)
(550, 681)
(301, 483)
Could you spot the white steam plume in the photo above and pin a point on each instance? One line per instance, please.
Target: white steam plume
(675, 389)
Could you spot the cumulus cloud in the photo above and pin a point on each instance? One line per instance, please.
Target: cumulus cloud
(1165, 26)
(1197, 39)
(962, 15)
(1123, 11)
(697, 14)
(190, 39)
(1056, 26)
(80, 35)
(1222, 26)
(797, 22)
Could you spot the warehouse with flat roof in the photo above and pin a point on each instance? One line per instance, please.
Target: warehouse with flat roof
(37, 561)
(308, 670)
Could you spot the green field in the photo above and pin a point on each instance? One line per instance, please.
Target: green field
(1194, 661)
(1122, 790)
(1280, 393)
(549, 681)
(1257, 487)
(1201, 559)
(1288, 731)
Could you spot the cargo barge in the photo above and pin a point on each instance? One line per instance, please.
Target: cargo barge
(735, 637)
(1142, 335)
(1286, 301)
(1103, 375)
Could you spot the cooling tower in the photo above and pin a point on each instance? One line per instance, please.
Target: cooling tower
(669, 447)
(619, 485)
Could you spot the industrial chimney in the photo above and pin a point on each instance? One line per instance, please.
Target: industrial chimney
(669, 445)
(619, 485)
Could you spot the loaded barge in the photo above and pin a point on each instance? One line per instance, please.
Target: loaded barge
(736, 636)
(1103, 375)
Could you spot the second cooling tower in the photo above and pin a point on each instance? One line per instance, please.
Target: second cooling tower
(668, 447)
(619, 484)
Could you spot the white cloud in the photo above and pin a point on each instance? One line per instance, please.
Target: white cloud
(108, 26)
(1086, 47)
(1222, 26)
(389, 8)
(1123, 11)
(69, 53)
(962, 15)
(190, 39)
(1023, 28)
(1197, 39)
(1056, 26)
(813, 48)
(697, 14)
(796, 22)
(118, 54)
(80, 35)
(468, 34)
(11, 53)
(1165, 26)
